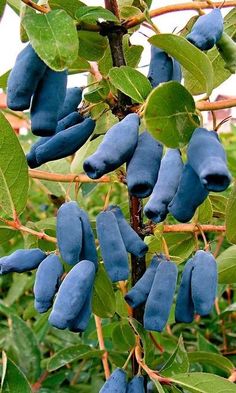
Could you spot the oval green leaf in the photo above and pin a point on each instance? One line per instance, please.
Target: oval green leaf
(93, 14)
(170, 115)
(14, 380)
(204, 383)
(226, 263)
(104, 301)
(190, 57)
(230, 217)
(213, 359)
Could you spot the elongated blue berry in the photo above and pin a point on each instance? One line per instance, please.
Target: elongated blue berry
(166, 186)
(22, 261)
(116, 148)
(24, 78)
(142, 173)
(207, 30)
(160, 298)
(116, 383)
(207, 157)
(47, 281)
(69, 232)
(190, 194)
(136, 385)
(88, 250)
(138, 294)
(80, 323)
(184, 309)
(72, 100)
(72, 294)
(132, 241)
(113, 250)
(204, 282)
(162, 68)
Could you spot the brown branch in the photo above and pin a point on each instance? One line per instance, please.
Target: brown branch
(194, 6)
(66, 178)
(112, 6)
(214, 106)
(36, 7)
(105, 363)
(38, 384)
(193, 228)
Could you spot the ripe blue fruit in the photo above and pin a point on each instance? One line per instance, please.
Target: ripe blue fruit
(47, 281)
(116, 383)
(116, 148)
(22, 261)
(88, 250)
(72, 294)
(204, 282)
(72, 101)
(142, 173)
(67, 122)
(151, 387)
(65, 143)
(139, 292)
(80, 323)
(112, 247)
(184, 309)
(24, 78)
(136, 385)
(47, 100)
(160, 298)
(207, 30)
(163, 68)
(69, 232)
(227, 49)
(207, 157)
(166, 186)
(133, 243)
(190, 194)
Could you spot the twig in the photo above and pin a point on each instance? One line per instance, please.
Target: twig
(38, 384)
(214, 106)
(157, 345)
(192, 228)
(98, 323)
(232, 377)
(36, 7)
(70, 177)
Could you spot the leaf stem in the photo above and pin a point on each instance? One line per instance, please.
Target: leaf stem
(98, 323)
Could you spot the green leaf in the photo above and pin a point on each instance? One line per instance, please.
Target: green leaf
(70, 354)
(123, 337)
(3, 80)
(93, 14)
(213, 359)
(71, 7)
(158, 386)
(17, 288)
(58, 166)
(2, 8)
(131, 82)
(78, 66)
(86, 150)
(178, 361)
(92, 45)
(180, 245)
(226, 263)
(97, 93)
(14, 381)
(148, 346)
(169, 114)
(53, 36)
(190, 57)
(14, 181)
(104, 301)
(204, 383)
(230, 218)
(204, 212)
(205, 345)
(219, 203)
(15, 5)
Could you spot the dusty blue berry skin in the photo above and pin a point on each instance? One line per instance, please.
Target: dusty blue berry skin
(138, 294)
(80, 323)
(156, 209)
(163, 68)
(116, 383)
(142, 173)
(133, 243)
(151, 387)
(207, 157)
(47, 281)
(112, 247)
(160, 298)
(88, 250)
(72, 294)
(207, 30)
(190, 194)
(22, 261)
(204, 282)
(184, 309)
(116, 148)
(65, 143)
(46, 103)
(24, 78)
(136, 385)
(72, 101)
(67, 122)
(69, 232)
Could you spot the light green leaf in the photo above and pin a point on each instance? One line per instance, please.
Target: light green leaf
(213, 359)
(158, 386)
(3, 79)
(177, 362)
(131, 82)
(226, 263)
(104, 301)
(70, 354)
(190, 57)
(92, 45)
(93, 14)
(230, 218)
(219, 203)
(17, 288)
(181, 245)
(15, 5)
(58, 166)
(53, 36)
(123, 337)
(204, 383)
(14, 181)
(78, 66)
(204, 212)
(169, 114)
(14, 381)
(71, 7)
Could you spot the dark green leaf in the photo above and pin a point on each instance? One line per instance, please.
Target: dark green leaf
(178, 361)
(226, 263)
(104, 301)
(92, 45)
(2, 8)
(230, 218)
(123, 337)
(14, 381)
(213, 359)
